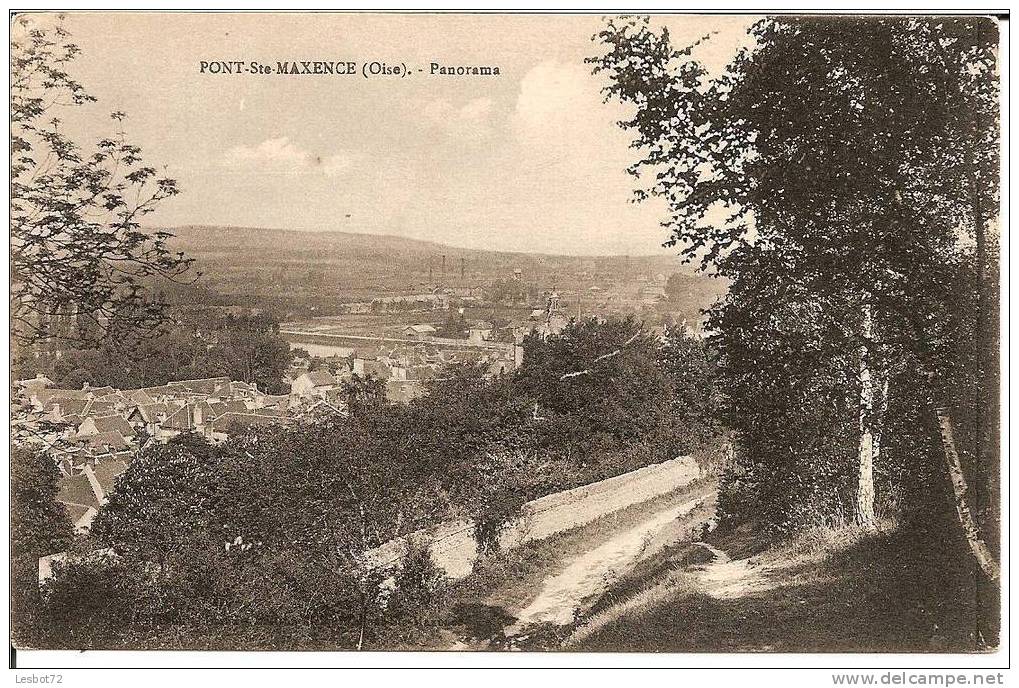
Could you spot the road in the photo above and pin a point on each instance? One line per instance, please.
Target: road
(591, 564)
(592, 572)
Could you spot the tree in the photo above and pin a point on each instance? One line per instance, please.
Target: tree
(690, 368)
(201, 343)
(79, 257)
(838, 157)
(454, 327)
(278, 527)
(363, 393)
(39, 527)
(233, 532)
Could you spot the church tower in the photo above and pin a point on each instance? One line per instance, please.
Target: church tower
(553, 305)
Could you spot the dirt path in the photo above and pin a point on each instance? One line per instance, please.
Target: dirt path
(726, 578)
(590, 573)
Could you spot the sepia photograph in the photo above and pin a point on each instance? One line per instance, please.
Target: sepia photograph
(512, 334)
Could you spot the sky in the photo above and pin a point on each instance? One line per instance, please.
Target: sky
(530, 160)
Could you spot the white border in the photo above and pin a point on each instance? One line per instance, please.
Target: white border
(800, 669)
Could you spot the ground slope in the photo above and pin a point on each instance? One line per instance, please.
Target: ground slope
(906, 589)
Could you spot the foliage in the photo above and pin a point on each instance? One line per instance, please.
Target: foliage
(274, 527)
(835, 167)
(512, 291)
(79, 258)
(39, 527)
(364, 394)
(200, 343)
(454, 327)
(233, 533)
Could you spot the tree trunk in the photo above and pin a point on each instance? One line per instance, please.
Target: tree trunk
(976, 545)
(879, 427)
(360, 635)
(868, 446)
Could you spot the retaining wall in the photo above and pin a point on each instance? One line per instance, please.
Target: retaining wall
(454, 550)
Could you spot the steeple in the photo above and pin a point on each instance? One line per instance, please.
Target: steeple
(552, 307)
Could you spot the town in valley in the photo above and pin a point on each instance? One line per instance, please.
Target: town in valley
(683, 335)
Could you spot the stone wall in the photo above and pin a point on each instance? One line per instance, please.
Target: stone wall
(452, 545)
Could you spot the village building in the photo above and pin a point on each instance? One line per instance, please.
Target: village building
(222, 426)
(99, 425)
(105, 445)
(40, 381)
(403, 391)
(82, 494)
(377, 369)
(480, 331)
(59, 410)
(312, 383)
(214, 387)
(419, 331)
(149, 417)
(43, 398)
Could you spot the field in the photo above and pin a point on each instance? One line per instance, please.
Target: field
(393, 324)
(306, 274)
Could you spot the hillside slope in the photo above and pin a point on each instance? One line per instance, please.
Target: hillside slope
(283, 263)
(901, 589)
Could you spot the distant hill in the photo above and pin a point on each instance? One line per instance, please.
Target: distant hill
(287, 265)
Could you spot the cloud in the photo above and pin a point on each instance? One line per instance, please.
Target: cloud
(472, 119)
(280, 156)
(560, 106)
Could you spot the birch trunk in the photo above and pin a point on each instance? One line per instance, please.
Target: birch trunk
(976, 544)
(868, 446)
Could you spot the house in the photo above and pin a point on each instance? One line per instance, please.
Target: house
(137, 396)
(83, 494)
(420, 372)
(66, 410)
(40, 381)
(205, 387)
(322, 408)
(403, 391)
(206, 412)
(97, 425)
(181, 419)
(419, 331)
(247, 390)
(103, 408)
(480, 331)
(106, 445)
(235, 422)
(279, 401)
(312, 382)
(116, 398)
(412, 372)
(376, 369)
(466, 356)
(158, 393)
(149, 416)
(41, 397)
(76, 494)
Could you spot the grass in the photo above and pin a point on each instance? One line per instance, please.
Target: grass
(504, 582)
(907, 589)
